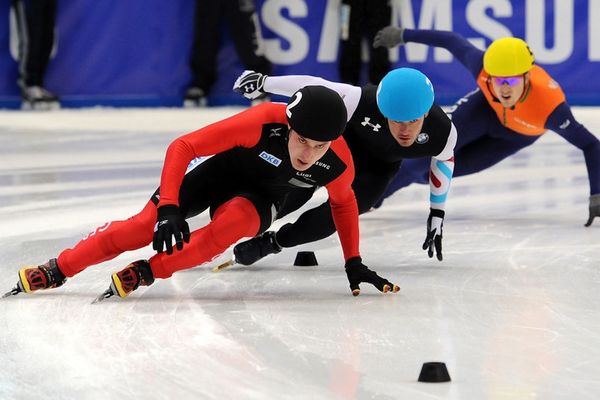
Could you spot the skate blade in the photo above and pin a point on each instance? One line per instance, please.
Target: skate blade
(15, 291)
(40, 105)
(105, 295)
(226, 264)
(188, 103)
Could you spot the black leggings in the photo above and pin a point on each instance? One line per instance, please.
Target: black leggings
(35, 28)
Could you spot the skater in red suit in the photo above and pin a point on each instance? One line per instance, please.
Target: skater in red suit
(261, 156)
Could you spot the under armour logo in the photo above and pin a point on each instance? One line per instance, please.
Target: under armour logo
(275, 132)
(249, 87)
(366, 122)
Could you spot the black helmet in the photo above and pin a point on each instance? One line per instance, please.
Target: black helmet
(317, 113)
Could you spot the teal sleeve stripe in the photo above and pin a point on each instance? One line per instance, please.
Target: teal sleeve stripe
(438, 198)
(441, 198)
(444, 168)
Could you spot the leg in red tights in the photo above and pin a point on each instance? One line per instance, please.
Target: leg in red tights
(108, 241)
(232, 221)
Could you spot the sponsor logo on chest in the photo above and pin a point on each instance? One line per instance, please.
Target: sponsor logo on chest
(422, 138)
(270, 158)
(322, 165)
(304, 175)
(525, 123)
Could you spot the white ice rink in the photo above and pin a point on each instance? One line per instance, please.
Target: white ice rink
(513, 310)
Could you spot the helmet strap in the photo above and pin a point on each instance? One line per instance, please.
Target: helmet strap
(526, 86)
(490, 88)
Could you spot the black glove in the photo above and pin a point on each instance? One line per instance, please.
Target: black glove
(594, 208)
(389, 37)
(250, 84)
(435, 224)
(357, 273)
(169, 222)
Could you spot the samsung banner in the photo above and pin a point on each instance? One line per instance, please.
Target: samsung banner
(135, 52)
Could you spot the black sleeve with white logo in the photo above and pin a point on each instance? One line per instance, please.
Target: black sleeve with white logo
(369, 136)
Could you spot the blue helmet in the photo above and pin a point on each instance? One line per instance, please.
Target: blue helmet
(404, 94)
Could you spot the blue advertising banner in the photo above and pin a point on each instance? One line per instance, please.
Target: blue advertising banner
(136, 52)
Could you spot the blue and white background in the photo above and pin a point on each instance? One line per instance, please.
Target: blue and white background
(135, 52)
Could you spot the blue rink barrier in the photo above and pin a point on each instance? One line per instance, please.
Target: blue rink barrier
(135, 52)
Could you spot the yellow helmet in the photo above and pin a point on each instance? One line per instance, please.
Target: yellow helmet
(508, 56)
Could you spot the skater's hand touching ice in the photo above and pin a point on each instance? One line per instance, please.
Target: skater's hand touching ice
(435, 224)
(358, 273)
(594, 208)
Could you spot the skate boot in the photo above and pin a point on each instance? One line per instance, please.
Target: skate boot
(136, 274)
(250, 251)
(33, 278)
(39, 98)
(194, 97)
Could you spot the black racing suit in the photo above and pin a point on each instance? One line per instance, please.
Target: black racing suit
(377, 158)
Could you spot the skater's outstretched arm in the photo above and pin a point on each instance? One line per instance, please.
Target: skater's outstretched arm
(251, 85)
(470, 56)
(440, 175)
(344, 207)
(562, 122)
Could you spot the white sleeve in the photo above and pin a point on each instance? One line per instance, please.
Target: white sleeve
(448, 151)
(289, 84)
(441, 171)
(440, 176)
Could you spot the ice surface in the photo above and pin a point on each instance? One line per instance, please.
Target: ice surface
(513, 310)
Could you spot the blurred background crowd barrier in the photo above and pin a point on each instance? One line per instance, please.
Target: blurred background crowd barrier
(136, 52)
